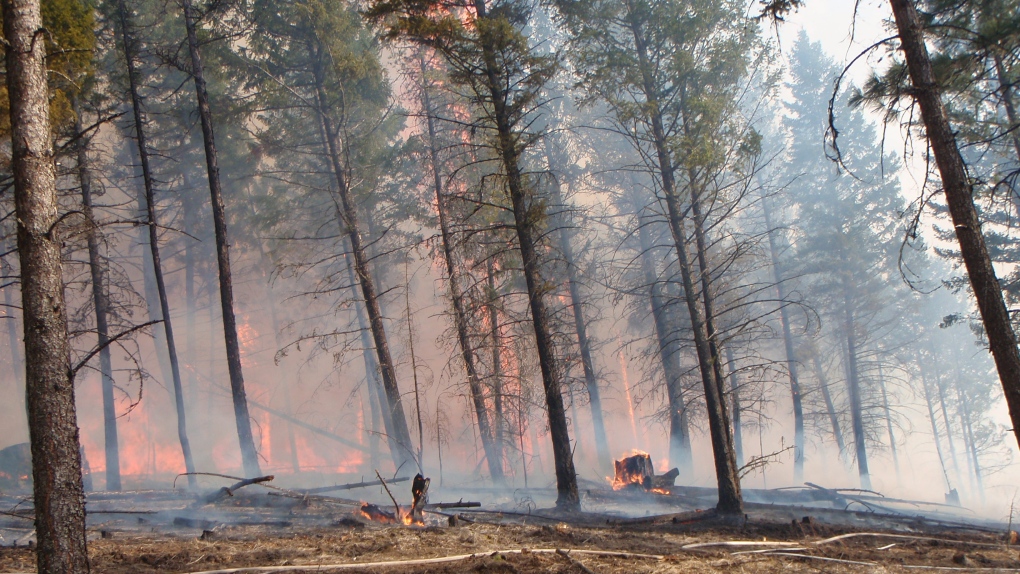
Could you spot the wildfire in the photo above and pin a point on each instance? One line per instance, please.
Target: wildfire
(635, 469)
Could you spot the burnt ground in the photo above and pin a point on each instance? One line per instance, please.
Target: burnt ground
(169, 532)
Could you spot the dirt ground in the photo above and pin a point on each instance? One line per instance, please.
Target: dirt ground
(517, 547)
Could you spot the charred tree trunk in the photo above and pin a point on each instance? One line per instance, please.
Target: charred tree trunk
(791, 357)
(493, 447)
(399, 433)
(249, 456)
(527, 212)
(959, 196)
(101, 300)
(53, 426)
(730, 500)
(580, 325)
(153, 227)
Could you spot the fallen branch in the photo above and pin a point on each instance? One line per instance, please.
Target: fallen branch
(905, 537)
(459, 504)
(400, 513)
(348, 486)
(425, 561)
(822, 558)
(229, 490)
(737, 544)
(574, 561)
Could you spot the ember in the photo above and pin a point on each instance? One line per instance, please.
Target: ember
(635, 471)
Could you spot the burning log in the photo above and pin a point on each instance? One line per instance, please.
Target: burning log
(665, 481)
(376, 514)
(636, 472)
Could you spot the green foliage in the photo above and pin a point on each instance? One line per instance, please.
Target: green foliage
(70, 42)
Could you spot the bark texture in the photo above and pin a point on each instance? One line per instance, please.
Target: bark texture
(56, 458)
(959, 196)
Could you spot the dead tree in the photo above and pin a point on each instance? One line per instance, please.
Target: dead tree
(958, 190)
(249, 457)
(130, 53)
(101, 301)
(53, 427)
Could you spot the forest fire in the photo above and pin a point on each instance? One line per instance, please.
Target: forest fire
(635, 471)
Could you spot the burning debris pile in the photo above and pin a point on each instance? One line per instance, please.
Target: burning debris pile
(636, 472)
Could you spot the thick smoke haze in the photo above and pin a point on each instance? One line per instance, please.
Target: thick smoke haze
(316, 409)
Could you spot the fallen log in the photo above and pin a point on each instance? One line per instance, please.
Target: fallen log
(458, 504)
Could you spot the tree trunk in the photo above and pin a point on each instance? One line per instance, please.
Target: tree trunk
(934, 424)
(888, 420)
(497, 357)
(249, 456)
(854, 386)
(372, 378)
(959, 196)
(580, 325)
(493, 449)
(190, 225)
(1007, 104)
(669, 356)
(823, 384)
(730, 500)
(53, 426)
(945, 417)
(527, 211)
(967, 429)
(399, 433)
(101, 300)
(791, 357)
(153, 227)
(738, 439)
